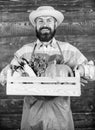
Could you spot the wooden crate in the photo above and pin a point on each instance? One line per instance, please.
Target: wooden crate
(44, 86)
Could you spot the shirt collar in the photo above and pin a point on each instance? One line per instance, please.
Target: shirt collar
(52, 43)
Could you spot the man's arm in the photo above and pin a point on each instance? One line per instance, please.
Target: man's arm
(87, 70)
(3, 73)
(78, 61)
(14, 62)
(19, 64)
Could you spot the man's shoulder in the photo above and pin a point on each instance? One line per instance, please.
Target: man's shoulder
(25, 49)
(29, 45)
(62, 42)
(66, 45)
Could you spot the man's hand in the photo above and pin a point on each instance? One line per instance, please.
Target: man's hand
(81, 70)
(83, 81)
(2, 80)
(87, 72)
(3, 75)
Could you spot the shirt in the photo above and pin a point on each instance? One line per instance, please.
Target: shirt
(72, 56)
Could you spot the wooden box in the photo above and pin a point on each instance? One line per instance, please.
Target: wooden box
(44, 86)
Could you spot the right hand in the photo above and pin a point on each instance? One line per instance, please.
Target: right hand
(3, 75)
(3, 80)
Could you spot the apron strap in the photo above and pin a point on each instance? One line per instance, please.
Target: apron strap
(58, 47)
(60, 52)
(32, 54)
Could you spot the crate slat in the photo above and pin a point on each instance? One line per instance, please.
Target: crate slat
(44, 86)
(42, 79)
(43, 89)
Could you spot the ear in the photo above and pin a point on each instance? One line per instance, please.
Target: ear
(35, 23)
(56, 24)
(35, 26)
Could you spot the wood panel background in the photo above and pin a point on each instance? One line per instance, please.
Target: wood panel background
(78, 28)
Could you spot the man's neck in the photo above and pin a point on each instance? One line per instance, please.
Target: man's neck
(47, 43)
(51, 42)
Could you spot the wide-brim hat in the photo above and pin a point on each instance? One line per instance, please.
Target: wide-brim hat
(46, 11)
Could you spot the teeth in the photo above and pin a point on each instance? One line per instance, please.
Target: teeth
(44, 30)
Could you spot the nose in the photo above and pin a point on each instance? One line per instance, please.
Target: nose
(45, 23)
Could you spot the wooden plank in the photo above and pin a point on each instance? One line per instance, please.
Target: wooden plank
(13, 6)
(86, 120)
(83, 104)
(88, 90)
(24, 2)
(11, 106)
(10, 29)
(79, 16)
(43, 80)
(57, 86)
(76, 40)
(17, 41)
(11, 121)
(75, 129)
(46, 90)
(84, 128)
(72, 16)
(85, 43)
(14, 104)
(68, 2)
(14, 17)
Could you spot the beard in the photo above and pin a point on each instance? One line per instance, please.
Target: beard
(45, 34)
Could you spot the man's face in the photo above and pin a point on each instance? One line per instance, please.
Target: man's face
(45, 28)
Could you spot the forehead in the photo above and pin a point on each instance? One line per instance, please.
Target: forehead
(45, 18)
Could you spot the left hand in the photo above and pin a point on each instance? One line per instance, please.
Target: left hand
(83, 81)
(81, 70)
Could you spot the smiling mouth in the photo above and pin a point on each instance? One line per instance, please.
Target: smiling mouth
(45, 31)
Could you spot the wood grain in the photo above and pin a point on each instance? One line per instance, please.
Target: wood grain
(86, 120)
(83, 15)
(24, 5)
(14, 104)
(10, 29)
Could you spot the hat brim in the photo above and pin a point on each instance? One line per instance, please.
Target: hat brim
(54, 13)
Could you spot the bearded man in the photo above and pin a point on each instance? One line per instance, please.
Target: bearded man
(48, 113)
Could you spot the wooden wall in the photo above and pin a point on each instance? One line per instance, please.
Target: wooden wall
(78, 28)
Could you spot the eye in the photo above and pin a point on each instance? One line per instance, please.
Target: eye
(50, 20)
(40, 21)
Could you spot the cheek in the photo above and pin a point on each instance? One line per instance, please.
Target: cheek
(37, 26)
(53, 26)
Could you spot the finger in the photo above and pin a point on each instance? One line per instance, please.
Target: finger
(82, 84)
(83, 80)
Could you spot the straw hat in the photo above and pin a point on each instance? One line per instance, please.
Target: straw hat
(46, 11)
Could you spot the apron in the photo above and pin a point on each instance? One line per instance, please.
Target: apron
(54, 114)
(47, 113)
